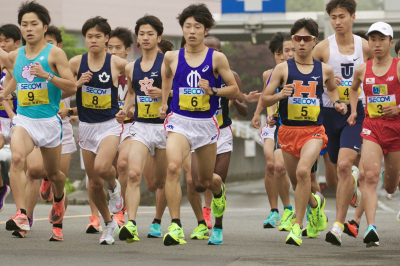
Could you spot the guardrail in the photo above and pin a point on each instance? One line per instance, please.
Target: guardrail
(244, 129)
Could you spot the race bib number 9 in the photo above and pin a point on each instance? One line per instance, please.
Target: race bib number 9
(147, 107)
(193, 99)
(376, 103)
(303, 109)
(95, 98)
(219, 116)
(33, 94)
(344, 93)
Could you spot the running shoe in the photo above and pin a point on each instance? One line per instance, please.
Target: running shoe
(155, 231)
(174, 236)
(46, 192)
(351, 228)
(355, 201)
(207, 216)
(116, 202)
(18, 222)
(286, 221)
(128, 233)
(56, 234)
(398, 217)
(31, 221)
(120, 218)
(57, 212)
(109, 233)
(3, 196)
(19, 233)
(319, 219)
(218, 205)
(94, 226)
(371, 238)
(216, 237)
(272, 221)
(334, 236)
(200, 232)
(294, 237)
(310, 231)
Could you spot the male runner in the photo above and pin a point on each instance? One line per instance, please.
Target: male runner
(302, 136)
(381, 127)
(147, 133)
(192, 72)
(10, 39)
(41, 74)
(343, 51)
(99, 133)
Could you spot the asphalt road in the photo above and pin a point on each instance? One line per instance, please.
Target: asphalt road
(245, 241)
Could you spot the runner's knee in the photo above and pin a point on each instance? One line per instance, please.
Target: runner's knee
(134, 176)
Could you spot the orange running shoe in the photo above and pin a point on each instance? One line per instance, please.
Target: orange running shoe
(351, 228)
(207, 216)
(120, 217)
(19, 233)
(56, 234)
(46, 193)
(57, 212)
(94, 226)
(18, 222)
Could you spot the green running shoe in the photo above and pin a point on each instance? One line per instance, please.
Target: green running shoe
(129, 233)
(218, 205)
(200, 232)
(294, 237)
(286, 221)
(318, 218)
(174, 236)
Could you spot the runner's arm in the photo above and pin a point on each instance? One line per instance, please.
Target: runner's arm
(269, 97)
(11, 87)
(130, 97)
(222, 67)
(358, 78)
(333, 93)
(167, 78)
(240, 102)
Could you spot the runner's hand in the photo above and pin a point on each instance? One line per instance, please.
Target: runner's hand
(85, 78)
(120, 116)
(154, 92)
(341, 108)
(256, 121)
(286, 91)
(162, 111)
(252, 97)
(352, 119)
(205, 85)
(38, 71)
(338, 80)
(271, 120)
(131, 112)
(391, 110)
(63, 112)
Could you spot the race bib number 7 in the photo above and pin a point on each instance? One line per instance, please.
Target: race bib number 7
(95, 98)
(33, 94)
(147, 107)
(193, 99)
(303, 109)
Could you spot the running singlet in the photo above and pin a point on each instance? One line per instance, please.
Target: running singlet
(65, 104)
(122, 92)
(303, 107)
(146, 108)
(381, 91)
(188, 99)
(37, 98)
(344, 66)
(13, 103)
(97, 100)
(222, 113)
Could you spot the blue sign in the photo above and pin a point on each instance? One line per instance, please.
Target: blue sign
(253, 6)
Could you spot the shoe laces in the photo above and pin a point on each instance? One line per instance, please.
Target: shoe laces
(115, 197)
(216, 233)
(58, 207)
(270, 215)
(173, 228)
(200, 228)
(107, 231)
(45, 185)
(57, 231)
(156, 226)
(286, 215)
(93, 219)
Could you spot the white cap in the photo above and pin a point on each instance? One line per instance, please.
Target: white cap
(381, 27)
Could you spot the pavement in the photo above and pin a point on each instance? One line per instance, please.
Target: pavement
(245, 240)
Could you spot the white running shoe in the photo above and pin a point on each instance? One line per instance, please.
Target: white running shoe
(116, 202)
(109, 233)
(355, 201)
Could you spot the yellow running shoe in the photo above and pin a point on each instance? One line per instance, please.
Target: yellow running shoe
(218, 205)
(129, 233)
(174, 236)
(294, 237)
(200, 232)
(286, 221)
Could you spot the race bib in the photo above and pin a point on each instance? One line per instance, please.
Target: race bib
(376, 103)
(219, 116)
(303, 109)
(11, 104)
(193, 99)
(344, 93)
(62, 105)
(147, 107)
(33, 94)
(95, 98)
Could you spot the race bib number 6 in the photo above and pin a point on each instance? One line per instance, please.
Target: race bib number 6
(33, 94)
(147, 107)
(193, 99)
(303, 109)
(95, 98)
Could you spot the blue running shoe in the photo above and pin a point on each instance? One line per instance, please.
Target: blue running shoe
(216, 237)
(273, 220)
(371, 238)
(155, 231)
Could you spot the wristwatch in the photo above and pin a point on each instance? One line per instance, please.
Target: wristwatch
(14, 95)
(70, 112)
(214, 90)
(337, 101)
(51, 76)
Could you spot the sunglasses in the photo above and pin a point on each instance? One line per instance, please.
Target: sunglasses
(306, 38)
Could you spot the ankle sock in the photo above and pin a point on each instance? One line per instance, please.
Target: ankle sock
(133, 221)
(219, 226)
(156, 221)
(57, 225)
(201, 222)
(23, 211)
(275, 210)
(354, 222)
(177, 221)
(58, 199)
(290, 208)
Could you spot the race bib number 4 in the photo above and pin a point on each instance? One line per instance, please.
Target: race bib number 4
(303, 109)
(33, 94)
(193, 99)
(147, 107)
(95, 98)
(376, 103)
(344, 93)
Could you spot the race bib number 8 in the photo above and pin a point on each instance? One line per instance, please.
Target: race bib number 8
(95, 98)
(33, 94)
(147, 107)
(303, 109)
(193, 99)
(344, 93)
(376, 103)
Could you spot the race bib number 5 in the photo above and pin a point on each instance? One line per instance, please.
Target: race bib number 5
(33, 94)
(95, 98)
(193, 99)
(147, 107)
(303, 109)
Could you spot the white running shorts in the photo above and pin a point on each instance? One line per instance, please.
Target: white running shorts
(267, 132)
(68, 141)
(151, 135)
(225, 140)
(5, 129)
